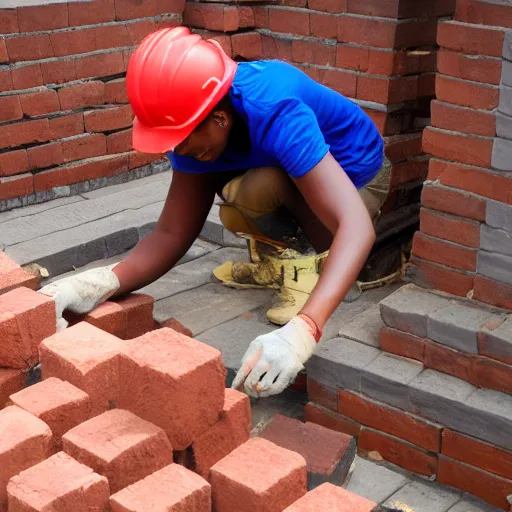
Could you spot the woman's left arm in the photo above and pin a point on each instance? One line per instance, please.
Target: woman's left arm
(336, 202)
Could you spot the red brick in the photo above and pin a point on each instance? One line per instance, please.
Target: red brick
(493, 292)
(487, 486)
(462, 119)
(138, 309)
(73, 42)
(231, 430)
(260, 13)
(401, 9)
(54, 484)
(317, 393)
(400, 147)
(467, 94)
(67, 126)
(317, 414)
(323, 25)
(5, 80)
(9, 21)
(386, 90)
(344, 83)
(59, 404)
(115, 91)
(102, 64)
(279, 484)
(24, 441)
(129, 10)
(472, 179)
(40, 102)
(173, 381)
(76, 172)
(367, 31)
(477, 453)
(29, 47)
(26, 76)
(276, 48)
(212, 16)
(387, 9)
(81, 95)
(398, 452)
(119, 142)
(313, 52)
(483, 13)
(120, 446)
(106, 119)
(492, 374)
(24, 132)
(175, 325)
(42, 17)
(384, 62)
(447, 360)
(87, 357)
(445, 253)
(453, 201)
(472, 39)
(11, 381)
(477, 69)
(11, 274)
(331, 497)
(390, 420)
(289, 21)
(85, 146)
(16, 186)
(45, 155)
(466, 149)
(189, 492)
(247, 45)
(413, 170)
(135, 33)
(352, 57)
(426, 85)
(58, 71)
(454, 229)
(10, 108)
(99, 11)
(13, 162)
(334, 6)
(137, 160)
(401, 343)
(27, 318)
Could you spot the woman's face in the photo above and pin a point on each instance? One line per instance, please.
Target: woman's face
(209, 140)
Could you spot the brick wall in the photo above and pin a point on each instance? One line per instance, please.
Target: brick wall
(64, 114)
(464, 244)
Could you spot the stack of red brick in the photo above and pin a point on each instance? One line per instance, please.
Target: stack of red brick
(64, 114)
(141, 424)
(464, 244)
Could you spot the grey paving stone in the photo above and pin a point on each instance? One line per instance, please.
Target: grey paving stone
(494, 265)
(491, 413)
(425, 497)
(507, 45)
(495, 240)
(234, 337)
(440, 397)
(364, 327)
(408, 308)
(503, 126)
(337, 363)
(473, 505)
(205, 307)
(499, 215)
(213, 231)
(387, 377)
(499, 341)
(375, 482)
(505, 104)
(192, 274)
(502, 153)
(506, 73)
(457, 326)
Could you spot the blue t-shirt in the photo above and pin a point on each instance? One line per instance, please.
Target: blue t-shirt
(293, 122)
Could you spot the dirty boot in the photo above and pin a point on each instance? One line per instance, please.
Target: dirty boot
(395, 507)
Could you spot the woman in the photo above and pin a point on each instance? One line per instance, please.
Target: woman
(297, 165)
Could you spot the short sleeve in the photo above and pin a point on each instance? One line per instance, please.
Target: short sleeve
(290, 132)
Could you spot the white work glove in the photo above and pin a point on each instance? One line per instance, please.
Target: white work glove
(279, 356)
(82, 292)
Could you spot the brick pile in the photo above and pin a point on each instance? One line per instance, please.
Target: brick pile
(64, 113)
(142, 424)
(464, 244)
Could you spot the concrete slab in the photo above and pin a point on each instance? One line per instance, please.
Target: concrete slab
(499, 215)
(364, 327)
(473, 505)
(499, 342)
(425, 497)
(496, 240)
(503, 126)
(375, 482)
(494, 265)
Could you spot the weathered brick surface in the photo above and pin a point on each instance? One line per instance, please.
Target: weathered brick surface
(188, 492)
(162, 369)
(495, 341)
(280, 484)
(317, 414)
(120, 446)
(11, 381)
(58, 483)
(13, 276)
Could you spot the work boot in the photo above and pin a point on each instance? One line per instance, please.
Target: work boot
(395, 507)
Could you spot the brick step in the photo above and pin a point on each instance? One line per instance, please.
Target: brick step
(467, 341)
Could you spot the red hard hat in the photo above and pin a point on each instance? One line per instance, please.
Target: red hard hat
(174, 79)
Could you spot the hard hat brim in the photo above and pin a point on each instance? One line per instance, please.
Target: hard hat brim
(148, 139)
